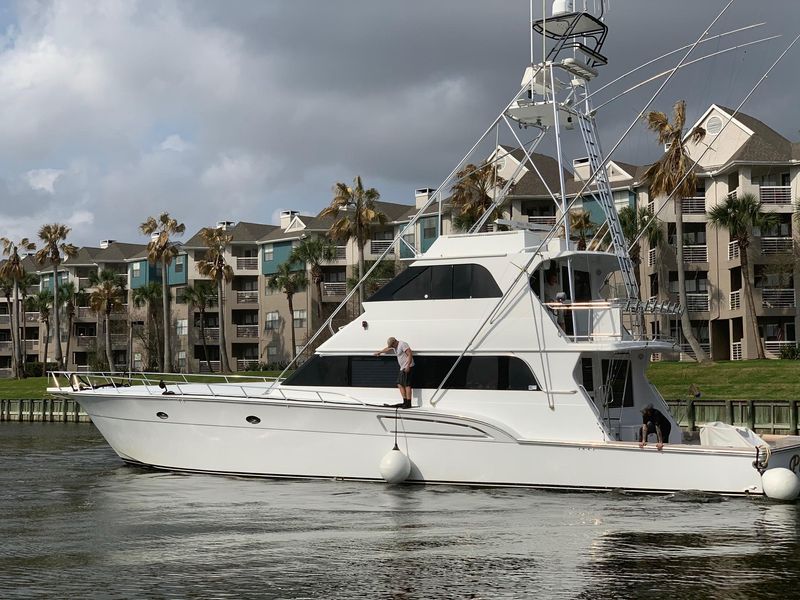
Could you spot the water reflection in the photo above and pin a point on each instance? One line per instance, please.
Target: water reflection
(78, 523)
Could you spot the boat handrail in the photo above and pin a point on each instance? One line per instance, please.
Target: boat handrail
(117, 381)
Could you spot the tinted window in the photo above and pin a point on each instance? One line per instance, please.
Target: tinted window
(373, 371)
(440, 282)
(619, 378)
(321, 370)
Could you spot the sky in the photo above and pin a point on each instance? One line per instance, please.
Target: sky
(209, 110)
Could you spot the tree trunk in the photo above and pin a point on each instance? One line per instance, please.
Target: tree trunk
(290, 299)
(203, 339)
(360, 277)
(46, 345)
(59, 358)
(107, 335)
(158, 339)
(69, 337)
(130, 342)
(23, 333)
(165, 298)
(15, 354)
(751, 307)
(686, 324)
(223, 347)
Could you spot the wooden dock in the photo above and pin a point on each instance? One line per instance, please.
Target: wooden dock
(48, 410)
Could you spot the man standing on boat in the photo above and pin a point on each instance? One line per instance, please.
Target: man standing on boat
(654, 421)
(405, 358)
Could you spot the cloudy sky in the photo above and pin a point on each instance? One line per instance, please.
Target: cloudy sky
(113, 111)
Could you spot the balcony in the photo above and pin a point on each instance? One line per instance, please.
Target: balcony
(83, 283)
(695, 254)
(5, 346)
(247, 364)
(31, 317)
(697, 302)
(212, 335)
(246, 297)
(733, 251)
(31, 344)
(341, 253)
(776, 245)
(247, 263)
(119, 340)
(686, 350)
(775, 347)
(84, 341)
(334, 288)
(247, 331)
(736, 351)
(732, 195)
(735, 300)
(549, 221)
(380, 246)
(84, 312)
(5, 319)
(215, 364)
(775, 194)
(696, 205)
(777, 298)
(652, 257)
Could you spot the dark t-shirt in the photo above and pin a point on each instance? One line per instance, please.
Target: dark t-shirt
(655, 418)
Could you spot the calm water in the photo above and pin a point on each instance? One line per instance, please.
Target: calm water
(77, 523)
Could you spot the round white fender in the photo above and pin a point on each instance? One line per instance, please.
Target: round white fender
(780, 484)
(395, 466)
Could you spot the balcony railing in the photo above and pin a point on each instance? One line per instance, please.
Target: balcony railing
(5, 345)
(774, 347)
(247, 263)
(732, 195)
(334, 288)
(652, 257)
(247, 331)
(83, 283)
(697, 302)
(776, 245)
(687, 352)
(212, 334)
(775, 194)
(696, 205)
(31, 344)
(379, 246)
(736, 350)
(119, 339)
(733, 251)
(84, 312)
(695, 254)
(547, 220)
(246, 364)
(215, 364)
(31, 317)
(341, 253)
(5, 319)
(777, 298)
(84, 341)
(735, 300)
(246, 297)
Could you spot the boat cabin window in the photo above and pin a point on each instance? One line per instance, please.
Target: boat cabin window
(472, 372)
(440, 282)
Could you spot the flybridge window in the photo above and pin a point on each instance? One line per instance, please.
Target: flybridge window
(440, 282)
(471, 373)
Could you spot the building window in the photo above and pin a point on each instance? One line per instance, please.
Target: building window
(137, 361)
(713, 125)
(269, 252)
(299, 318)
(137, 269)
(182, 358)
(183, 327)
(272, 353)
(179, 263)
(272, 321)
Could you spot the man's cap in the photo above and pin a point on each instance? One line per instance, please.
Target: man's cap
(647, 408)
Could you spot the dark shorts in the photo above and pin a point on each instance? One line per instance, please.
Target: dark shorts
(651, 429)
(404, 378)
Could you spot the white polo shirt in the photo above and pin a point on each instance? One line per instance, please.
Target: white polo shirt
(402, 357)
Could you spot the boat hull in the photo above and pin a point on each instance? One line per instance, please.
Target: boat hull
(321, 440)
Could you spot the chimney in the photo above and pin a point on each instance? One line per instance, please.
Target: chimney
(225, 225)
(106, 243)
(422, 195)
(287, 216)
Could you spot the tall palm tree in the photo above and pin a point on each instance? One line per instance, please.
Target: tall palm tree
(67, 297)
(54, 251)
(7, 290)
(355, 214)
(289, 282)
(672, 175)
(314, 252)
(739, 214)
(200, 296)
(581, 224)
(26, 283)
(12, 269)
(42, 302)
(472, 194)
(150, 295)
(106, 298)
(215, 268)
(635, 221)
(161, 250)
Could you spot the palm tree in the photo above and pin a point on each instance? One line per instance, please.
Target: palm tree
(672, 175)
(149, 295)
(67, 297)
(200, 296)
(42, 302)
(635, 221)
(54, 251)
(161, 250)
(26, 283)
(355, 214)
(289, 282)
(314, 252)
(580, 224)
(739, 214)
(472, 194)
(13, 270)
(215, 268)
(105, 299)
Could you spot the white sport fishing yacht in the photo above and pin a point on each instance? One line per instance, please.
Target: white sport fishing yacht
(512, 387)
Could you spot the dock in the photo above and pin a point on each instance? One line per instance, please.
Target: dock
(48, 410)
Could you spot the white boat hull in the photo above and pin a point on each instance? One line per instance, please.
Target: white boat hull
(348, 442)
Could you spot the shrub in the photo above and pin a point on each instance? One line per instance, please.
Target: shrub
(790, 352)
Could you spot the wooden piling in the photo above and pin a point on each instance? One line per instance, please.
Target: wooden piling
(691, 416)
(751, 415)
(793, 417)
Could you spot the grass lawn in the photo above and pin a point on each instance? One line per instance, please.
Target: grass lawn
(738, 380)
(729, 380)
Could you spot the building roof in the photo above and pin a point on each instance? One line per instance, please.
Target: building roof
(242, 232)
(84, 258)
(530, 184)
(765, 145)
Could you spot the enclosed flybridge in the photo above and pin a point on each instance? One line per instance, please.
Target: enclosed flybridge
(530, 347)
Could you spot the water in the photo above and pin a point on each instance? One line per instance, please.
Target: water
(77, 523)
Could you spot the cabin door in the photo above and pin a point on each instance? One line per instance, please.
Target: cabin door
(609, 382)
